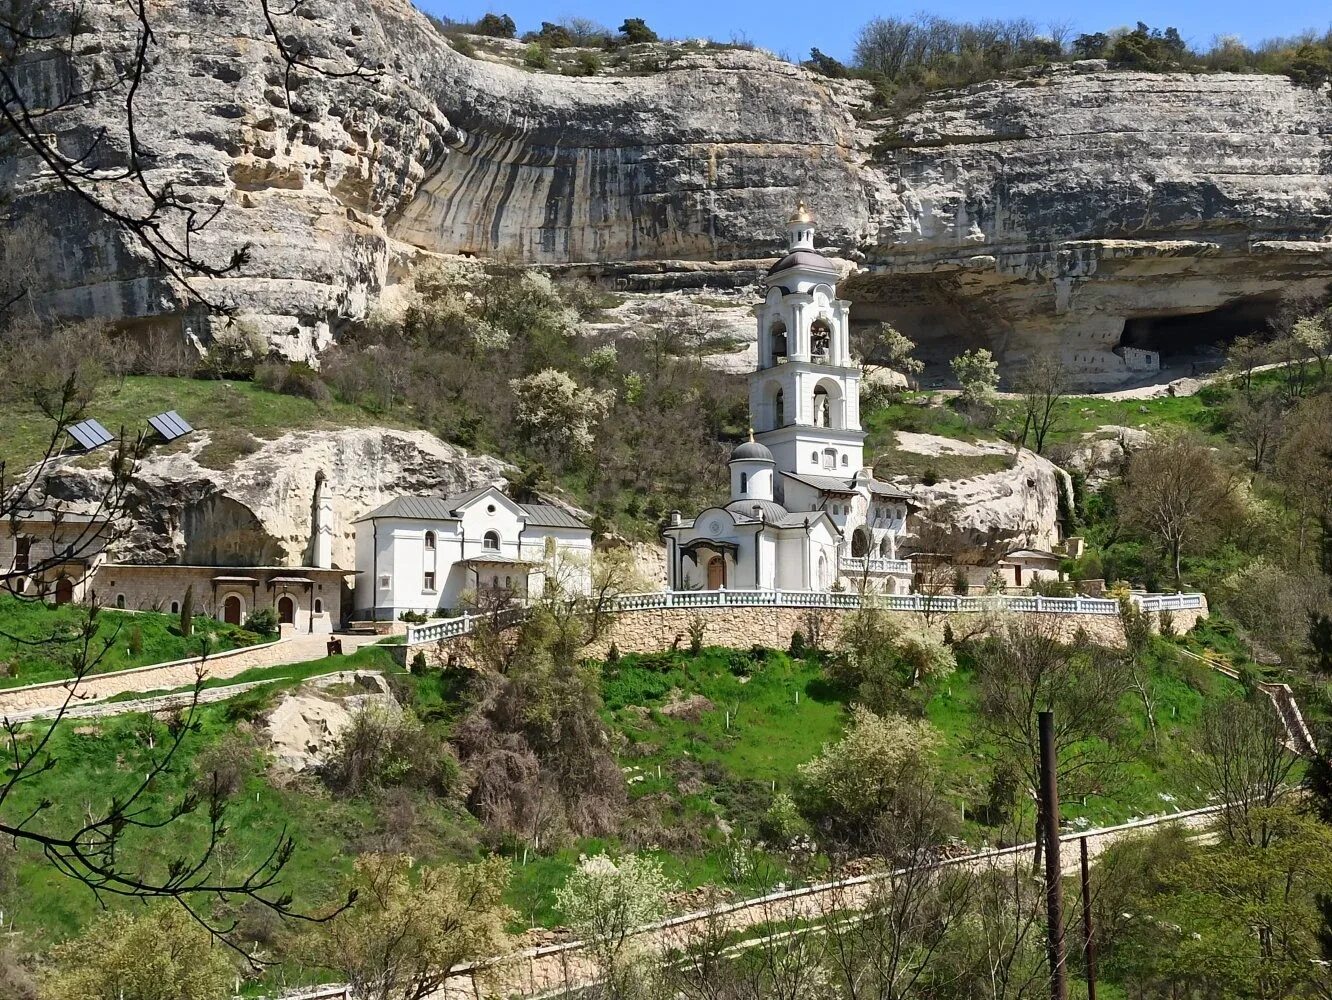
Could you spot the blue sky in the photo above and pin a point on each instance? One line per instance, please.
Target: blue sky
(792, 28)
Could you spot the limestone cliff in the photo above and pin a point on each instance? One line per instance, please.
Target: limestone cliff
(259, 511)
(1075, 208)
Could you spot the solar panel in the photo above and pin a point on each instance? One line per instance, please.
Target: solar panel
(90, 434)
(170, 425)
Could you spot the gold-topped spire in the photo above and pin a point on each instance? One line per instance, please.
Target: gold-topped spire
(801, 213)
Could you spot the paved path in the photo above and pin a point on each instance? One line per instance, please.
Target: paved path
(550, 970)
(47, 699)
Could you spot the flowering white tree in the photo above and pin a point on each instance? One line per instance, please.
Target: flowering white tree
(604, 899)
(854, 783)
(556, 412)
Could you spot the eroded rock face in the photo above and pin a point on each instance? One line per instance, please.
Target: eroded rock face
(1074, 209)
(1013, 508)
(1077, 209)
(260, 510)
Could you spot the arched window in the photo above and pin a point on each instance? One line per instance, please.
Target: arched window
(779, 409)
(830, 458)
(846, 460)
(319, 606)
(777, 341)
(430, 541)
(744, 482)
(175, 607)
(886, 547)
(860, 543)
(120, 601)
(491, 541)
(820, 407)
(814, 457)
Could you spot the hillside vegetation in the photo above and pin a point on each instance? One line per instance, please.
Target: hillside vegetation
(710, 765)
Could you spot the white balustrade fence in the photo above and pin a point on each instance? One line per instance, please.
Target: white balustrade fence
(450, 628)
(874, 565)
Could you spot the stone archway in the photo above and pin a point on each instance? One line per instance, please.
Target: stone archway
(232, 609)
(286, 609)
(64, 591)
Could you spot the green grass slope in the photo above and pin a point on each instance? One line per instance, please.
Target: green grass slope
(39, 642)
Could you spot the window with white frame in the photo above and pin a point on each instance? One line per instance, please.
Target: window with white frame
(430, 541)
(428, 581)
(491, 541)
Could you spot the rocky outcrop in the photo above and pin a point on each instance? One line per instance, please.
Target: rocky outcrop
(1073, 209)
(259, 511)
(1013, 508)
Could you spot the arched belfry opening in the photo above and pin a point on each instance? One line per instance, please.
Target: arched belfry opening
(777, 341)
(820, 339)
(822, 408)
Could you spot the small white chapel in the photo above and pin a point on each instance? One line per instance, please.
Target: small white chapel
(804, 513)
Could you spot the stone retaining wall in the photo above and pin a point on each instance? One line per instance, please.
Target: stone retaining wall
(657, 629)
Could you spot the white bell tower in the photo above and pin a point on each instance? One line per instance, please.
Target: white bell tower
(804, 396)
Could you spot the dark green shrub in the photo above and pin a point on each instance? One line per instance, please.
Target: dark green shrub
(495, 26)
(187, 612)
(419, 665)
(635, 31)
(262, 621)
(586, 64)
(413, 617)
(696, 631)
(536, 56)
(553, 36)
(797, 643)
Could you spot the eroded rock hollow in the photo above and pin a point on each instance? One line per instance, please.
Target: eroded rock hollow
(1111, 216)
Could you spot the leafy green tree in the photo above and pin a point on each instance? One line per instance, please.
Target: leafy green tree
(826, 65)
(553, 36)
(410, 925)
(160, 953)
(1178, 490)
(884, 345)
(977, 373)
(1235, 919)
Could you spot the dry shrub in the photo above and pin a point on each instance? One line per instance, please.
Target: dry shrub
(537, 754)
(384, 749)
(17, 980)
(226, 766)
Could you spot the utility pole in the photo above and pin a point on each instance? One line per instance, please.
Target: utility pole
(1054, 890)
(1087, 931)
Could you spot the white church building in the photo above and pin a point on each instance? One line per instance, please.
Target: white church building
(427, 554)
(804, 514)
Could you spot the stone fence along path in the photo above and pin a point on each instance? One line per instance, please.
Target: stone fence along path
(549, 970)
(40, 700)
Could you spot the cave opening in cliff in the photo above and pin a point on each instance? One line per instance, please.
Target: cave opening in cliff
(1199, 336)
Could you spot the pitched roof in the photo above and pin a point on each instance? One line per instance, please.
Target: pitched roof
(414, 508)
(542, 515)
(547, 515)
(840, 484)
